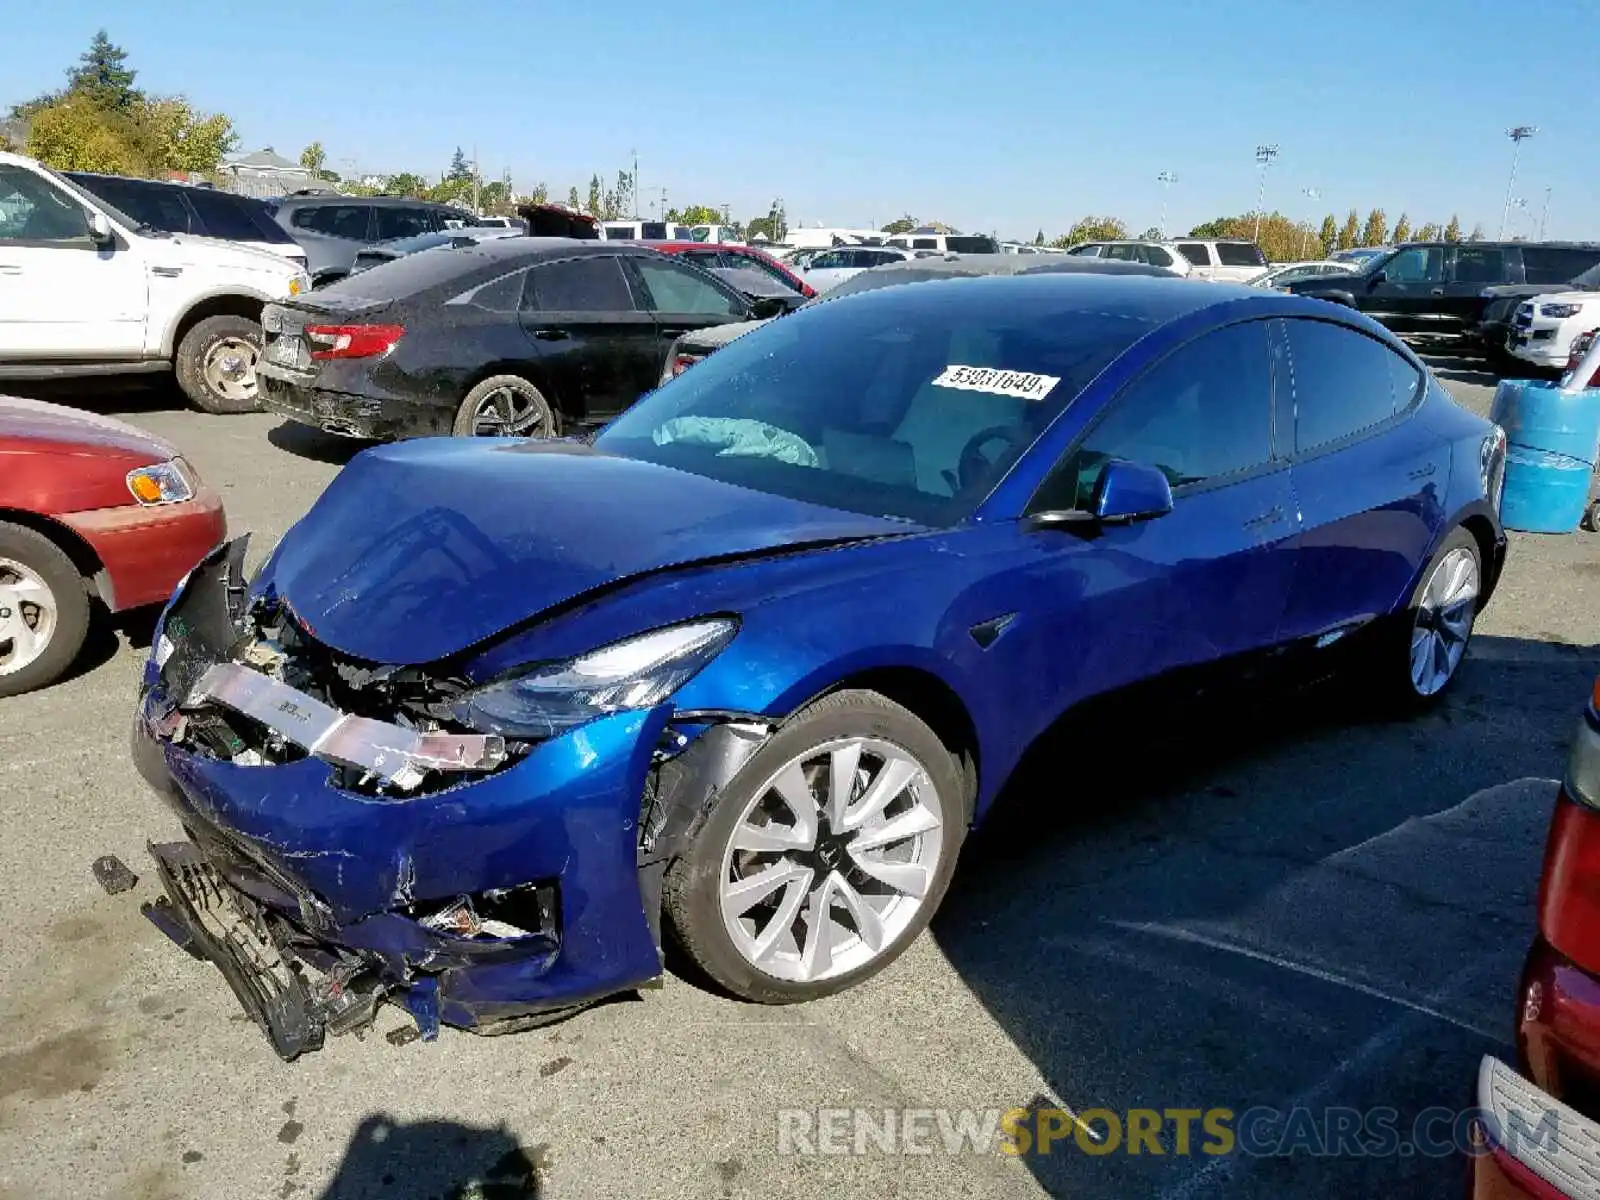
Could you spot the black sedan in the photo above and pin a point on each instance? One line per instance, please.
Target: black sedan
(513, 337)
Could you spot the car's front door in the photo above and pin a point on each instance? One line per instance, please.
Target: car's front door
(1205, 583)
(1406, 292)
(681, 300)
(596, 347)
(62, 294)
(1369, 481)
(1468, 270)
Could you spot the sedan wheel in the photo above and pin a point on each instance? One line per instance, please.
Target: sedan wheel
(44, 610)
(505, 406)
(825, 856)
(28, 616)
(1443, 622)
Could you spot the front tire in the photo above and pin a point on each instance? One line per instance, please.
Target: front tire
(826, 855)
(1418, 662)
(505, 406)
(216, 365)
(44, 610)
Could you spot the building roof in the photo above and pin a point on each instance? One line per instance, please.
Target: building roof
(265, 160)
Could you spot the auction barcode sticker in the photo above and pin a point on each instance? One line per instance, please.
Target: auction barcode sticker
(1023, 384)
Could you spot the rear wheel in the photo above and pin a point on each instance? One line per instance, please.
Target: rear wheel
(216, 365)
(1423, 653)
(44, 610)
(505, 406)
(826, 855)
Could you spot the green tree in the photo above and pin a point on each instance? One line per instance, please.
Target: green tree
(1329, 233)
(1476, 235)
(1428, 233)
(1452, 231)
(1402, 229)
(1092, 229)
(903, 224)
(695, 214)
(1350, 231)
(540, 193)
(1038, 238)
(168, 135)
(460, 169)
(73, 135)
(1376, 231)
(313, 158)
(407, 183)
(451, 191)
(597, 199)
(104, 77)
(774, 226)
(619, 201)
(573, 202)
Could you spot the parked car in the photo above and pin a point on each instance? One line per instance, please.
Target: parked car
(731, 256)
(1546, 269)
(1287, 273)
(945, 243)
(758, 287)
(186, 208)
(692, 347)
(1431, 290)
(1542, 1123)
(382, 252)
(1227, 259)
(96, 513)
(333, 228)
(744, 668)
(1360, 255)
(514, 336)
(493, 222)
(1545, 329)
(829, 268)
(643, 231)
(86, 289)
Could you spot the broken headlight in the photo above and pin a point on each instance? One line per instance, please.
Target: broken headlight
(639, 672)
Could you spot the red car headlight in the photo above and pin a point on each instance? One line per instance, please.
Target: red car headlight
(162, 483)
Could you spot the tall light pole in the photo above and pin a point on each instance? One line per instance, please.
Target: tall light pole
(1264, 157)
(635, 183)
(1166, 179)
(1518, 134)
(1545, 215)
(1312, 195)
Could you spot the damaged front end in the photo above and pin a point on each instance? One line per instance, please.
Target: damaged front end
(352, 840)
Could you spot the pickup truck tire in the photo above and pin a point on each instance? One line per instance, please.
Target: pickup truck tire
(39, 586)
(216, 363)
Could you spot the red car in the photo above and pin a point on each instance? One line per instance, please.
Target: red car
(91, 510)
(1541, 1131)
(707, 254)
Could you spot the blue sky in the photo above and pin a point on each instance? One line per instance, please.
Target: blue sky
(1009, 116)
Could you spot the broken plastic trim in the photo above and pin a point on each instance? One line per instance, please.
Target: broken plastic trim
(394, 754)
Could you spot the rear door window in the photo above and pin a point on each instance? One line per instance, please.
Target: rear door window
(1555, 264)
(1196, 253)
(1344, 382)
(924, 243)
(398, 221)
(1156, 256)
(348, 221)
(592, 284)
(1240, 254)
(1479, 264)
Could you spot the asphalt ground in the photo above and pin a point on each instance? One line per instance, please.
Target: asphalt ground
(1295, 906)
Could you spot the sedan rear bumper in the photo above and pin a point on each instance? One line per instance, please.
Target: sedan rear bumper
(348, 414)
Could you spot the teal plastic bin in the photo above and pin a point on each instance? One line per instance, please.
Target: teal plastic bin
(1554, 441)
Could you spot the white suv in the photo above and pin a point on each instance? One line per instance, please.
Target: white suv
(1545, 327)
(87, 290)
(1224, 260)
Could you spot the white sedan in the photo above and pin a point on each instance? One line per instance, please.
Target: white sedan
(1284, 273)
(833, 267)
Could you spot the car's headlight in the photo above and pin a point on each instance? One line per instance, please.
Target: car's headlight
(639, 672)
(164, 483)
(1560, 310)
(299, 283)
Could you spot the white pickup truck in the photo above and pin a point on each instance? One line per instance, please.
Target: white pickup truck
(87, 290)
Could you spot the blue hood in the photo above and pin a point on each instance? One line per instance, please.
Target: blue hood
(421, 549)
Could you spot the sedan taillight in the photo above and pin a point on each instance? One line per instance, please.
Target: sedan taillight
(352, 341)
(682, 362)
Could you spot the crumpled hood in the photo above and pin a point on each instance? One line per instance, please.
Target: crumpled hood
(422, 549)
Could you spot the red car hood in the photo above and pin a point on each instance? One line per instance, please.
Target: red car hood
(36, 421)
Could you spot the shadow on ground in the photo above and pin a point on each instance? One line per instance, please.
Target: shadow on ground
(389, 1159)
(306, 442)
(122, 395)
(1280, 903)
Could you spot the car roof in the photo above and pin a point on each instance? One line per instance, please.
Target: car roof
(341, 198)
(685, 244)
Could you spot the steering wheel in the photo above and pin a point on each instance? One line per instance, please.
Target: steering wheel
(974, 464)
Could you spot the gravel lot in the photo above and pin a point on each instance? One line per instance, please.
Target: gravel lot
(1294, 906)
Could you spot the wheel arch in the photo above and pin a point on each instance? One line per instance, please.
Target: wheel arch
(234, 303)
(71, 543)
(567, 409)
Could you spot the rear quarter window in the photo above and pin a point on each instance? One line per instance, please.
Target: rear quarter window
(1344, 382)
(1240, 254)
(1196, 253)
(1552, 264)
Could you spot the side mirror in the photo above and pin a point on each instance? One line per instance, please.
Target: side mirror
(1129, 491)
(100, 229)
(1377, 278)
(764, 308)
(1125, 492)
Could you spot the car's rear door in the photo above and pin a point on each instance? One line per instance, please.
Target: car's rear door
(1199, 256)
(1368, 479)
(1468, 270)
(1207, 582)
(595, 345)
(681, 300)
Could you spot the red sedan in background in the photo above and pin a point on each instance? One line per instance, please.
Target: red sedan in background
(90, 509)
(1542, 1127)
(704, 254)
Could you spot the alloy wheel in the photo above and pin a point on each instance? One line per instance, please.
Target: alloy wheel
(506, 412)
(230, 368)
(28, 616)
(1443, 624)
(832, 859)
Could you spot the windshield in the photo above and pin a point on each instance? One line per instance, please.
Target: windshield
(905, 402)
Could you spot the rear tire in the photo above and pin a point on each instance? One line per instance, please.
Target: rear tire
(216, 365)
(1419, 656)
(44, 610)
(506, 406)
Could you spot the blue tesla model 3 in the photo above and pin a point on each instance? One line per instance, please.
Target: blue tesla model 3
(498, 718)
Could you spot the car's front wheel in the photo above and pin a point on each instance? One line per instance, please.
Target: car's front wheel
(1424, 655)
(826, 855)
(44, 610)
(216, 365)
